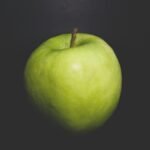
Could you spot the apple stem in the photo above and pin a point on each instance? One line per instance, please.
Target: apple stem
(73, 37)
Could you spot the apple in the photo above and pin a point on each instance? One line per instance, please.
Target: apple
(76, 78)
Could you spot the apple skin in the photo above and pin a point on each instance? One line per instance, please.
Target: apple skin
(80, 86)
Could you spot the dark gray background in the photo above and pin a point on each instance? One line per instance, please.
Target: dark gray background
(124, 25)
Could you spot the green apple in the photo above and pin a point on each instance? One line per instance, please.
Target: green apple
(77, 82)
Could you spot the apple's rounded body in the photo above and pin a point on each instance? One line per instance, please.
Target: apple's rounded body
(80, 86)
